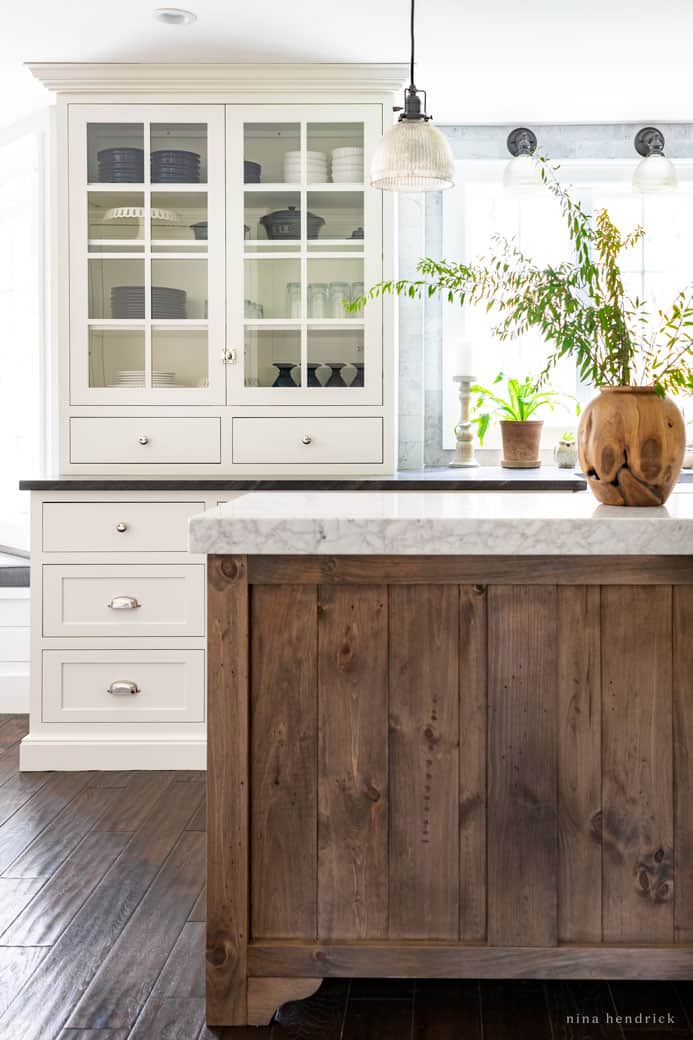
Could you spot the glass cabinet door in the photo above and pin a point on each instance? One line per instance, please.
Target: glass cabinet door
(147, 254)
(304, 238)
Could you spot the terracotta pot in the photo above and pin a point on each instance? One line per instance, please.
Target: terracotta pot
(631, 445)
(521, 442)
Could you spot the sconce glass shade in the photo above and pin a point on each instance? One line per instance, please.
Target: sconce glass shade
(413, 156)
(521, 175)
(655, 173)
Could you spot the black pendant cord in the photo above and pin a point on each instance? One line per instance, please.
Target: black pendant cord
(411, 34)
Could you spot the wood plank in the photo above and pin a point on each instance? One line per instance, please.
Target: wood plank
(135, 803)
(516, 1009)
(445, 1010)
(17, 965)
(227, 789)
(14, 729)
(15, 893)
(9, 764)
(93, 1034)
(649, 1008)
(522, 824)
(18, 789)
(113, 778)
(171, 1019)
(365, 1021)
(473, 680)
(283, 740)
(183, 974)
(637, 796)
(683, 763)
(579, 765)
(47, 851)
(36, 814)
(72, 962)
(451, 961)
(47, 915)
(424, 762)
(199, 910)
(199, 820)
(470, 570)
(122, 984)
(352, 762)
(581, 1010)
(266, 996)
(317, 1018)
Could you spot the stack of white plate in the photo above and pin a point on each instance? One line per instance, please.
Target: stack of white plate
(316, 167)
(347, 165)
(130, 377)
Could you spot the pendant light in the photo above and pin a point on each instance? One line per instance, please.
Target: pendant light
(654, 172)
(521, 174)
(413, 155)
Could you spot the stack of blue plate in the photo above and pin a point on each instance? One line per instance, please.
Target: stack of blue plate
(121, 165)
(127, 301)
(175, 166)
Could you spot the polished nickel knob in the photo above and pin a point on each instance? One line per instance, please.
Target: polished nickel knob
(144, 439)
(121, 527)
(307, 439)
(123, 688)
(124, 603)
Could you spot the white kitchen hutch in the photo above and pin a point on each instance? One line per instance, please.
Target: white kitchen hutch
(211, 223)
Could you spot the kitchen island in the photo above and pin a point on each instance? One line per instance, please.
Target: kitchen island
(448, 736)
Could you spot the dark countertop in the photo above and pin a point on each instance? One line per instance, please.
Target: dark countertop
(483, 478)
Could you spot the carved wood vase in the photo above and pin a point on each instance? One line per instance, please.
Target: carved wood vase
(631, 445)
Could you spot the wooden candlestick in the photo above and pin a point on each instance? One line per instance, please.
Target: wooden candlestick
(464, 452)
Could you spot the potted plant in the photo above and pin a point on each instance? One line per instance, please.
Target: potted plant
(520, 433)
(631, 437)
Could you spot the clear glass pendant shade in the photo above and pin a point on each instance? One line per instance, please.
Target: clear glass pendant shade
(413, 156)
(521, 175)
(655, 173)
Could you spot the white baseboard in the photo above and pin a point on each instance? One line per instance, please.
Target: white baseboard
(76, 755)
(14, 688)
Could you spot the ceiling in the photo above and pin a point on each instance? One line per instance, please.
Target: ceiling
(480, 60)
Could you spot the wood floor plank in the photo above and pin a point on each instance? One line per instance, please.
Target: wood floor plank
(14, 729)
(17, 965)
(321, 1015)
(120, 988)
(47, 852)
(93, 1034)
(17, 790)
(511, 1010)
(198, 822)
(199, 910)
(112, 778)
(172, 1019)
(582, 1011)
(447, 1010)
(47, 915)
(136, 802)
(634, 999)
(183, 974)
(366, 1021)
(185, 776)
(73, 961)
(9, 764)
(15, 893)
(35, 815)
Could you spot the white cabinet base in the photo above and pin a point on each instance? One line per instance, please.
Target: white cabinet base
(72, 754)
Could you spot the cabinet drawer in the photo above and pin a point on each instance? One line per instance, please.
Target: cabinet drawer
(309, 441)
(117, 526)
(120, 600)
(82, 685)
(145, 441)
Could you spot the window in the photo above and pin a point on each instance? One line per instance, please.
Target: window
(479, 206)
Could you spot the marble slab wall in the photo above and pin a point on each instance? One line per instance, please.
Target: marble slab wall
(421, 234)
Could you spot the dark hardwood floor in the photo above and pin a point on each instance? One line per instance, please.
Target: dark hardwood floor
(102, 935)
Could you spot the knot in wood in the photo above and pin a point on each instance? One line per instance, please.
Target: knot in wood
(372, 792)
(479, 590)
(230, 568)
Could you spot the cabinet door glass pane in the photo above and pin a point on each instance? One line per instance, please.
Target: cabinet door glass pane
(331, 283)
(179, 358)
(335, 357)
(272, 357)
(335, 153)
(179, 221)
(115, 153)
(270, 288)
(271, 153)
(116, 289)
(341, 214)
(179, 289)
(116, 221)
(178, 153)
(272, 220)
(116, 358)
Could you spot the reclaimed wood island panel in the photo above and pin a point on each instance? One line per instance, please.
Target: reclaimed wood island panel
(446, 766)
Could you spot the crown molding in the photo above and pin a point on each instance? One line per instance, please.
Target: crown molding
(352, 78)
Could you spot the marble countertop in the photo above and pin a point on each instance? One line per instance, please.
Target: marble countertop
(441, 523)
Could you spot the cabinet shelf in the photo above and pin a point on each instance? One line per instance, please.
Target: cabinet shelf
(122, 187)
(327, 186)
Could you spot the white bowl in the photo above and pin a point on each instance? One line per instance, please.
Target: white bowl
(317, 156)
(347, 153)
